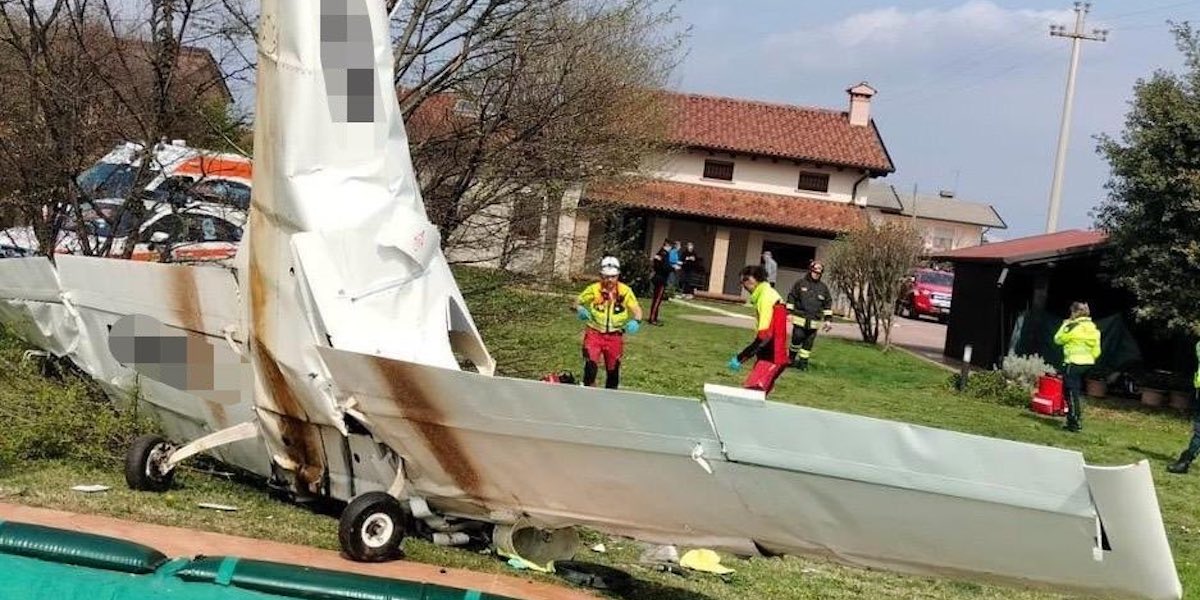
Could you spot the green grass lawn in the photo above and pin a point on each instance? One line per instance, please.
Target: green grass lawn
(531, 334)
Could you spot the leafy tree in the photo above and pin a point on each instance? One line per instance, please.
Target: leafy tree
(1152, 213)
(869, 266)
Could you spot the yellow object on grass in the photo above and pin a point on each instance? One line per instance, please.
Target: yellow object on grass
(705, 560)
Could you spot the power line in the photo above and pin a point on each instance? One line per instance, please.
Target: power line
(980, 78)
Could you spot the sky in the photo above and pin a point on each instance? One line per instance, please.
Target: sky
(970, 91)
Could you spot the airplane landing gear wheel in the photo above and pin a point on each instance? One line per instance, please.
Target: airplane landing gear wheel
(145, 464)
(372, 528)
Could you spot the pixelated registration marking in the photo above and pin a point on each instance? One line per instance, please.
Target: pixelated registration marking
(188, 362)
(348, 61)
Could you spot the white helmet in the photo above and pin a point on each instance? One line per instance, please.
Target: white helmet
(609, 265)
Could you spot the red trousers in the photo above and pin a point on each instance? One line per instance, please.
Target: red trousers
(606, 345)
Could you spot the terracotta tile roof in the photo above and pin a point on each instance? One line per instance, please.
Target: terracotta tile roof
(793, 132)
(1037, 247)
(758, 208)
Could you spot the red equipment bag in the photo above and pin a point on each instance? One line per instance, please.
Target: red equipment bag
(564, 377)
(1048, 399)
(763, 375)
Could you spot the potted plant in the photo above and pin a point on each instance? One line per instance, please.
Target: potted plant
(1153, 386)
(1096, 383)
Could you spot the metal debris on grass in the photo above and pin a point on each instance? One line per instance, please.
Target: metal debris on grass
(220, 507)
(91, 488)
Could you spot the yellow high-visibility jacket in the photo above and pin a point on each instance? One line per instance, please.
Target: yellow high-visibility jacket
(610, 310)
(1080, 340)
(1196, 377)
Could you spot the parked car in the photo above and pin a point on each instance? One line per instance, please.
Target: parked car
(190, 233)
(928, 292)
(180, 174)
(196, 202)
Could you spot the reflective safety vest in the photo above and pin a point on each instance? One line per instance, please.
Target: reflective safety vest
(1080, 341)
(609, 310)
(1196, 377)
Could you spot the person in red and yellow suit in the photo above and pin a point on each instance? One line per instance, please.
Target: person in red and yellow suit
(610, 310)
(770, 345)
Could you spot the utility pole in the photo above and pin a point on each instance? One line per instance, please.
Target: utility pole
(1060, 160)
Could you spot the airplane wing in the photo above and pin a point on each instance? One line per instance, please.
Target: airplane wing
(746, 475)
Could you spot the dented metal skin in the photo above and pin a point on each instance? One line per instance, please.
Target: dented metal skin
(353, 334)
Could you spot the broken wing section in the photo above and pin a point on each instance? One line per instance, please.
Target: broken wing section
(37, 306)
(31, 305)
(922, 500)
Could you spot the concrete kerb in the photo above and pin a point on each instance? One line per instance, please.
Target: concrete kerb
(712, 309)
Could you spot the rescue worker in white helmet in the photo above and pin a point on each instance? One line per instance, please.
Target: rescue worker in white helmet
(811, 304)
(609, 310)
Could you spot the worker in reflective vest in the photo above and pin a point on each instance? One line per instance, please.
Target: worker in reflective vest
(810, 303)
(770, 340)
(1185, 459)
(609, 309)
(1080, 341)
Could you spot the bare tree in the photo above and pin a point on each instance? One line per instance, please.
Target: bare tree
(78, 76)
(513, 103)
(869, 266)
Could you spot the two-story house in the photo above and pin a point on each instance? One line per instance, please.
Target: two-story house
(944, 221)
(748, 176)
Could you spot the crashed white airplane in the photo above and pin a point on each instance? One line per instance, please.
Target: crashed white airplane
(338, 358)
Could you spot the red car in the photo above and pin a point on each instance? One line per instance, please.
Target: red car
(927, 293)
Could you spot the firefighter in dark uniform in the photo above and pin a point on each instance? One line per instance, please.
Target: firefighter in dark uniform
(810, 303)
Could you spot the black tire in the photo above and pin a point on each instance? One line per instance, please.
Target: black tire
(143, 461)
(372, 528)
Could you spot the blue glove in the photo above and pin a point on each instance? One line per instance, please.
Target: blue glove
(583, 313)
(735, 364)
(633, 327)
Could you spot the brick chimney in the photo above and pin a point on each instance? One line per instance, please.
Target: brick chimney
(860, 104)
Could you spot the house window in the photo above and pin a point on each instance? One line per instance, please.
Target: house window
(718, 169)
(813, 182)
(942, 238)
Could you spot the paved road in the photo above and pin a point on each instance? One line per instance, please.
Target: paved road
(922, 337)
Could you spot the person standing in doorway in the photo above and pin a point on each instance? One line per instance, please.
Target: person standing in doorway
(770, 340)
(1080, 341)
(609, 310)
(1181, 465)
(771, 267)
(674, 257)
(660, 265)
(810, 303)
(689, 269)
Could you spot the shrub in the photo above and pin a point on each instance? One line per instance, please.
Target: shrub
(995, 387)
(70, 419)
(1025, 370)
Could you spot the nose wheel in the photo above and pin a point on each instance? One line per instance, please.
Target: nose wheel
(372, 528)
